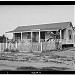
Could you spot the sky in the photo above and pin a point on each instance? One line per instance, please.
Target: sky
(12, 16)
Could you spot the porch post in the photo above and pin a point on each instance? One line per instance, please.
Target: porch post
(31, 36)
(39, 36)
(21, 36)
(6, 41)
(16, 44)
(14, 36)
(41, 46)
(60, 35)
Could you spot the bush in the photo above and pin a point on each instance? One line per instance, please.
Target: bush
(16, 50)
(6, 50)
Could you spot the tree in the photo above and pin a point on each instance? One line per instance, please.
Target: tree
(56, 37)
(3, 39)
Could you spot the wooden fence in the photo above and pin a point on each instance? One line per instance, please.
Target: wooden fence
(28, 46)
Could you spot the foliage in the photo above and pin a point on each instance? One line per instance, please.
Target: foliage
(14, 50)
(3, 39)
(6, 50)
(12, 41)
(55, 35)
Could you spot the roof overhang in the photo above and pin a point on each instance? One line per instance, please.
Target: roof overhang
(42, 27)
(36, 30)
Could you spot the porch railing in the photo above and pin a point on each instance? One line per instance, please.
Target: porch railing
(64, 41)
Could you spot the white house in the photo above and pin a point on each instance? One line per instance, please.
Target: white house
(41, 33)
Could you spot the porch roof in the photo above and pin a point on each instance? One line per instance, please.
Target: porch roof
(53, 26)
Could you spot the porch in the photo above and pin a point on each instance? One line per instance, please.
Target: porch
(35, 43)
(37, 40)
(38, 35)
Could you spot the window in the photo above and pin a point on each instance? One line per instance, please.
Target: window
(17, 36)
(70, 34)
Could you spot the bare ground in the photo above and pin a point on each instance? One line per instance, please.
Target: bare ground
(49, 60)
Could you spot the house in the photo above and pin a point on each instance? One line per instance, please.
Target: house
(41, 33)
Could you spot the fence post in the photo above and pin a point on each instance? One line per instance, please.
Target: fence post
(0, 47)
(16, 44)
(10, 45)
(6, 44)
(41, 46)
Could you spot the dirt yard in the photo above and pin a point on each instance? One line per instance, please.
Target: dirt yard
(50, 60)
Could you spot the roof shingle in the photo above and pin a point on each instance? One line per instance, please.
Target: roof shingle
(61, 25)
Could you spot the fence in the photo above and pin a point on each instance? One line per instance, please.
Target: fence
(24, 46)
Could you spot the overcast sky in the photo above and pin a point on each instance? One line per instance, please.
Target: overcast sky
(12, 16)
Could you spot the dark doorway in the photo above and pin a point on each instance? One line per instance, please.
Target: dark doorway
(42, 36)
(17, 36)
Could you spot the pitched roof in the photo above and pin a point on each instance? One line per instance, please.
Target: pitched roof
(61, 25)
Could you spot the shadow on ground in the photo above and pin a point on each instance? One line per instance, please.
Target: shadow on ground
(41, 69)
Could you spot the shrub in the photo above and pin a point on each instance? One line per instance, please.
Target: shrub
(16, 50)
(6, 50)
